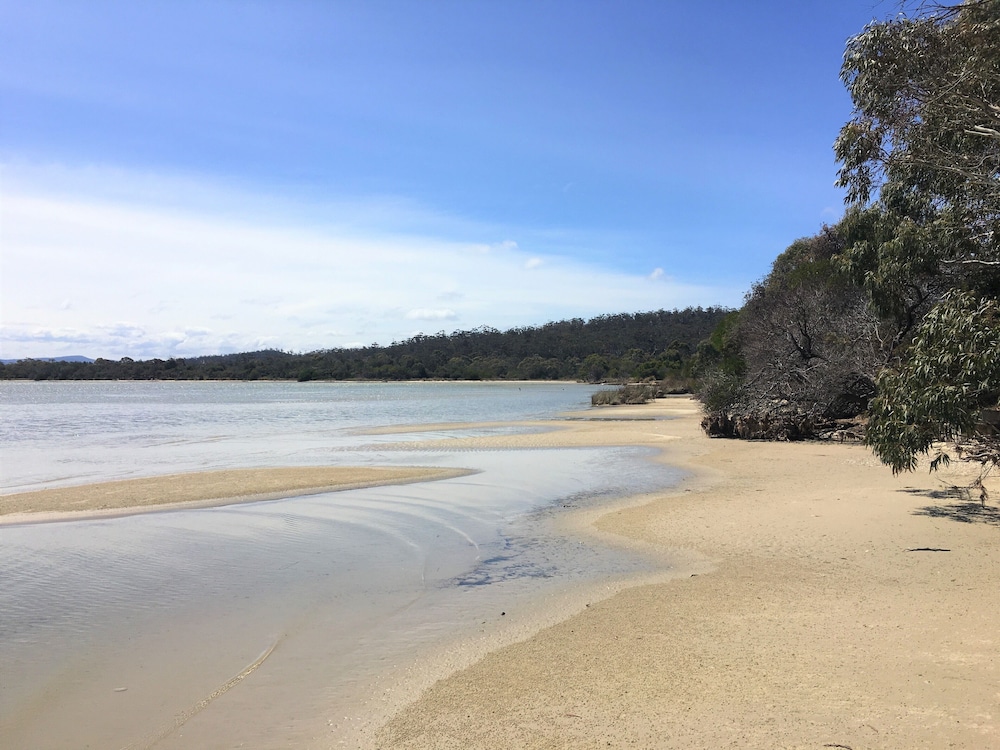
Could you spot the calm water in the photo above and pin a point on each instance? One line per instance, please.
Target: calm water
(130, 632)
(67, 433)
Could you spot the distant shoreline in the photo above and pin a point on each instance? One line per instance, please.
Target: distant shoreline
(356, 381)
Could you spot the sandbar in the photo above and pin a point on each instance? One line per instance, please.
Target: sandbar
(816, 601)
(202, 489)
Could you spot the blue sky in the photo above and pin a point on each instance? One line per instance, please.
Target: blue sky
(182, 178)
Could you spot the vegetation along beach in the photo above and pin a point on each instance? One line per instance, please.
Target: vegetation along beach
(759, 509)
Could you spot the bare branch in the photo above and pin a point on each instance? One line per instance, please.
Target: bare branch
(984, 131)
(971, 262)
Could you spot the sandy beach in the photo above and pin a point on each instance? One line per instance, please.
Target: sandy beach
(810, 599)
(200, 490)
(816, 601)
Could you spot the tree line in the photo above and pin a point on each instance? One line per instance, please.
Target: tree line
(647, 345)
(894, 312)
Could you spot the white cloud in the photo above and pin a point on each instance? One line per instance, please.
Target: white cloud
(656, 274)
(148, 281)
(422, 313)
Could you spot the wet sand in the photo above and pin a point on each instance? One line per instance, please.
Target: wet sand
(816, 601)
(201, 489)
(334, 590)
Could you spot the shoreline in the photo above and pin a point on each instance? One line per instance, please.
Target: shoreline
(807, 598)
(821, 601)
(523, 616)
(202, 489)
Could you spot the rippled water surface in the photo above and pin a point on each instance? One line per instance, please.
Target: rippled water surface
(257, 623)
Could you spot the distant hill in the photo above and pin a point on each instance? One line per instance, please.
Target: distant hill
(73, 358)
(617, 347)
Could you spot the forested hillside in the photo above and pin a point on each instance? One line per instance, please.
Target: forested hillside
(607, 348)
(894, 312)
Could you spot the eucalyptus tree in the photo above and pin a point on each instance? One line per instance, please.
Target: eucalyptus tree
(920, 160)
(807, 333)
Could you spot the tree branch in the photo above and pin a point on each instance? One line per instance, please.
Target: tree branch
(971, 262)
(983, 131)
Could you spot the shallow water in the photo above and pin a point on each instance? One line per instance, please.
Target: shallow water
(129, 632)
(59, 433)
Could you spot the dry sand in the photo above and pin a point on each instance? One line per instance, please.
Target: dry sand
(201, 489)
(835, 606)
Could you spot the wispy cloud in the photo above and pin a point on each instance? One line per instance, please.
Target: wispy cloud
(831, 214)
(161, 280)
(422, 313)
